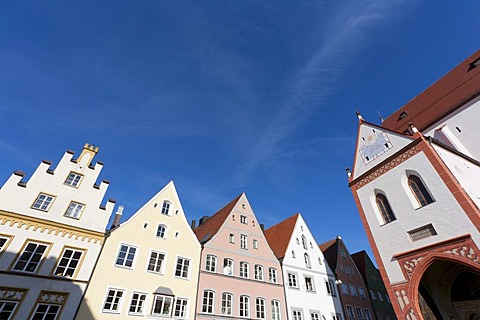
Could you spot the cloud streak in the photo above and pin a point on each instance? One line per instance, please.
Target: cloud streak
(315, 81)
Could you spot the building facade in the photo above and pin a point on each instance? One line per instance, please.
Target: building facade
(416, 183)
(381, 303)
(310, 286)
(240, 277)
(353, 292)
(148, 267)
(51, 232)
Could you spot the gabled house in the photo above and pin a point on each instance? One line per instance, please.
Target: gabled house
(310, 285)
(240, 277)
(52, 229)
(148, 267)
(376, 288)
(353, 292)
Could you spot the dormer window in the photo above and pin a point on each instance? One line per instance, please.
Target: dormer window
(73, 180)
(166, 207)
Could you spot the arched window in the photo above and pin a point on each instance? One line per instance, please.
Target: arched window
(384, 208)
(166, 207)
(162, 231)
(307, 261)
(304, 242)
(211, 263)
(419, 190)
(208, 298)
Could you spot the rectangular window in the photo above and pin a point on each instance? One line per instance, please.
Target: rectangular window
(181, 308)
(231, 238)
(297, 314)
(314, 316)
(74, 210)
(272, 275)
(361, 293)
(156, 262)
(43, 202)
(227, 301)
(342, 253)
(73, 179)
(31, 257)
(243, 269)
(162, 305)
(208, 297)
(309, 284)
(380, 296)
(68, 262)
(211, 263)
(137, 303)
(182, 268)
(350, 313)
(336, 316)
(258, 272)
(255, 244)
(244, 306)
(7, 308)
(46, 311)
(243, 219)
(368, 316)
(3, 242)
(126, 256)
(292, 280)
(330, 287)
(113, 300)
(345, 288)
(359, 313)
(260, 308)
(353, 291)
(228, 266)
(275, 310)
(373, 295)
(243, 241)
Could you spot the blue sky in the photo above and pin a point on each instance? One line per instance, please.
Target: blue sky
(222, 97)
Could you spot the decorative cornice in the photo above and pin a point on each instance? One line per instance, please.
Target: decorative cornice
(12, 219)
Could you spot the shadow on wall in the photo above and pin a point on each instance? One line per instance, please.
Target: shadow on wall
(29, 289)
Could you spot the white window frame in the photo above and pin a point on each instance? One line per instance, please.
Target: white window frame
(158, 233)
(244, 241)
(43, 202)
(27, 257)
(292, 280)
(73, 179)
(161, 298)
(231, 238)
(137, 303)
(255, 244)
(125, 263)
(208, 301)
(244, 269)
(211, 263)
(350, 312)
(48, 310)
(184, 265)
(69, 264)
(3, 303)
(166, 207)
(330, 286)
(314, 315)
(275, 306)
(353, 290)
(367, 313)
(227, 304)
(156, 263)
(181, 308)
(297, 314)
(359, 313)
(244, 308)
(260, 308)
(272, 275)
(309, 285)
(308, 264)
(258, 272)
(74, 210)
(361, 293)
(116, 300)
(243, 219)
(345, 289)
(228, 266)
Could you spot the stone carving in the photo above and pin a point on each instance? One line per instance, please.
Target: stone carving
(402, 298)
(466, 252)
(11, 294)
(58, 298)
(411, 264)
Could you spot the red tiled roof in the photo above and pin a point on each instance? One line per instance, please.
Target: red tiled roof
(278, 236)
(208, 229)
(440, 99)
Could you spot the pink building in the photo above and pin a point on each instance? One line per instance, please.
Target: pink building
(240, 277)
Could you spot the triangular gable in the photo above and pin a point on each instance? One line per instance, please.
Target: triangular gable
(330, 252)
(279, 235)
(374, 145)
(208, 229)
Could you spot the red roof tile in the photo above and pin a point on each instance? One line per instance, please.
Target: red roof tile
(208, 229)
(440, 99)
(278, 236)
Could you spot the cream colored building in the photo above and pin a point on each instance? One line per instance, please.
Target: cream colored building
(51, 232)
(148, 267)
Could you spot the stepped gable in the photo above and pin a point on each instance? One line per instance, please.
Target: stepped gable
(278, 236)
(452, 91)
(208, 229)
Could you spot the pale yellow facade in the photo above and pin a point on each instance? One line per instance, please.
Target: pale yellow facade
(148, 267)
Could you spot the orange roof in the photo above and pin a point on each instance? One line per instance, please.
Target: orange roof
(208, 229)
(278, 236)
(440, 99)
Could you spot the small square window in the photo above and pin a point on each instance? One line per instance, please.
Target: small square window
(231, 238)
(43, 202)
(243, 219)
(74, 210)
(126, 256)
(73, 180)
(255, 244)
(68, 263)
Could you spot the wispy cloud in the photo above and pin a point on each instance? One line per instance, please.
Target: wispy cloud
(347, 31)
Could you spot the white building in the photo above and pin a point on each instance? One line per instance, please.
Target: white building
(310, 285)
(51, 232)
(416, 182)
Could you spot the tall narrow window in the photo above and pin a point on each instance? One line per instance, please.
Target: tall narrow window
(244, 306)
(227, 301)
(243, 269)
(419, 190)
(258, 272)
(272, 275)
(31, 257)
(208, 297)
(275, 310)
(304, 242)
(384, 208)
(162, 231)
(260, 308)
(307, 261)
(166, 207)
(228, 266)
(211, 263)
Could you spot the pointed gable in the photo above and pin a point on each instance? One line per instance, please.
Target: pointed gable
(330, 252)
(360, 259)
(374, 145)
(278, 236)
(208, 229)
